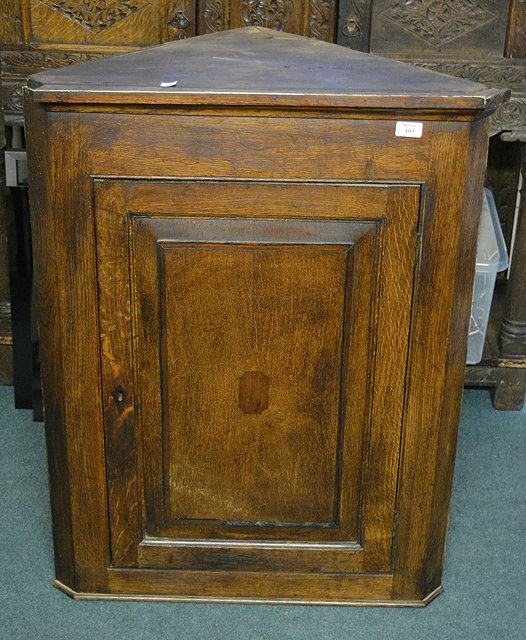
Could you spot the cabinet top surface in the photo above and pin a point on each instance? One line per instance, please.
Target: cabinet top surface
(260, 66)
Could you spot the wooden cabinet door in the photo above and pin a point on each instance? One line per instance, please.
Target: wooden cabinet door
(254, 344)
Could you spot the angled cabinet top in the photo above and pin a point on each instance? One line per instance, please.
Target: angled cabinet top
(257, 66)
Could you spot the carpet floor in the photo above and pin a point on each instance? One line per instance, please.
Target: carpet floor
(484, 577)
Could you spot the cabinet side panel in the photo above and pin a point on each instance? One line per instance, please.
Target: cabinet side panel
(456, 355)
(440, 317)
(68, 301)
(51, 365)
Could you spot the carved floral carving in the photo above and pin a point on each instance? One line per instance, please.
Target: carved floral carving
(16, 63)
(96, 15)
(439, 21)
(488, 73)
(351, 26)
(274, 14)
(319, 18)
(510, 115)
(12, 98)
(213, 15)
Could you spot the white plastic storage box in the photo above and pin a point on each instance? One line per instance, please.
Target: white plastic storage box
(491, 258)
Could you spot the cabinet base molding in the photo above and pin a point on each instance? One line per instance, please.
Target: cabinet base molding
(143, 597)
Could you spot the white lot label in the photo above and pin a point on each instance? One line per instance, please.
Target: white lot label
(409, 129)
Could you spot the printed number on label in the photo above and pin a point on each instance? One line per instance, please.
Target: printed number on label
(409, 129)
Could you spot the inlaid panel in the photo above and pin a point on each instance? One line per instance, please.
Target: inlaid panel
(239, 377)
(254, 350)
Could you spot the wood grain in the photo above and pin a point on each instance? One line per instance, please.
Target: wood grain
(440, 316)
(46, 267)
(324, 262)
(279, 148)
(299, 586)
(170, 233)
(143, 597)
(69, 323)
(236, 308)
(117, 381)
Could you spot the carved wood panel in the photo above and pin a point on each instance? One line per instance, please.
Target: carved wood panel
(95, 16)
(438, 27)
(516, 46)
(98, 22)
(11, 96)
(315, 18)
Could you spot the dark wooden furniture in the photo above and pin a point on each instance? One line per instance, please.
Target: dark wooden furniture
(477, 40)
(254, 290)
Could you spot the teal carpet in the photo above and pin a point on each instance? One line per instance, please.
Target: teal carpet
(485, 575)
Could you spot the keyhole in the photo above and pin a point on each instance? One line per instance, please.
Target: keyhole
(119, 396)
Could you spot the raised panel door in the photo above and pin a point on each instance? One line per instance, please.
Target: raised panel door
(252, 335)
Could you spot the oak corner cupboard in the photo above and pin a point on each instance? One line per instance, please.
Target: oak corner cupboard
(254, 289)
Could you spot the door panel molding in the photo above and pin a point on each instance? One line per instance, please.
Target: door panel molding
(290, 216)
